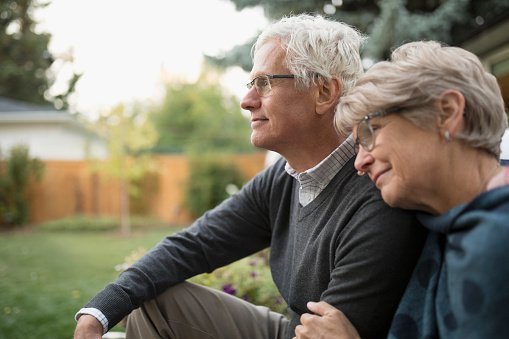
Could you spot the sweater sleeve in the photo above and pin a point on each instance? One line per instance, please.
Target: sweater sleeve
(236, 228)
(375, 256)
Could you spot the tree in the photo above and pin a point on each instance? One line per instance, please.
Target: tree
(389, 23)
(204, 122)
(200, 117)
(25, 73)
(130, 135)
(15, 174)
(212, 179)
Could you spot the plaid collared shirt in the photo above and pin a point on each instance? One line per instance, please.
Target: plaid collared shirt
(313, 181)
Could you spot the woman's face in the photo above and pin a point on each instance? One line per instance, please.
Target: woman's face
(404, 162)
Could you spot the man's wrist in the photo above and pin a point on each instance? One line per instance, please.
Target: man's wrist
(98, 315)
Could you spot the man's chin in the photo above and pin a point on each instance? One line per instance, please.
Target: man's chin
(257, 141)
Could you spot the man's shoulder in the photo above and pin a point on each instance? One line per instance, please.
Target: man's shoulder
(347, 181)
(272, 182)
(275, 172)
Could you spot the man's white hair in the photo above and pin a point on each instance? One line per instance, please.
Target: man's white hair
(317, 49)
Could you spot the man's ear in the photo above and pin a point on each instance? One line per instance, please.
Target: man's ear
(328, 95)
(451, 107)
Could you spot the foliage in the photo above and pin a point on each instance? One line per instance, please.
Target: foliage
(130, 135)
(45, 278)
(389, 23)
(84, 223)
(80, 223)
(210, 180)
(26, 62)
(15, 175)
(249, 278)
(200, 117)
(239, 55)
(396, 25)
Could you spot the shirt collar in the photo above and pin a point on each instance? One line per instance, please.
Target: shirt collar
(323, 173)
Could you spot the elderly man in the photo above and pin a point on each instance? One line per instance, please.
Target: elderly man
(331, 236)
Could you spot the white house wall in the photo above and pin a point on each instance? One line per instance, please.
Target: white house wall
(51, 141)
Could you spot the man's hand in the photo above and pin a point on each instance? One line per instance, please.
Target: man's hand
(88, 327)
(327, 322)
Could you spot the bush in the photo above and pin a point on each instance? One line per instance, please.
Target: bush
(81, 223)
(248, 278)
(211, 180)
(84, 223)
(15, 175)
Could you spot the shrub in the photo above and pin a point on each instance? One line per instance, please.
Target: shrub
(15, 175)
(248, 278)
(84, 223)
(210, 182)
(81, 223)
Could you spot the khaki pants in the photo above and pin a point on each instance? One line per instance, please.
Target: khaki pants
(189, 311)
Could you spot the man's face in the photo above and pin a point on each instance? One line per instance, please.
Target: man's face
(281, 120)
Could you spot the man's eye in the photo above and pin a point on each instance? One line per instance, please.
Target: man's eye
(261, 82)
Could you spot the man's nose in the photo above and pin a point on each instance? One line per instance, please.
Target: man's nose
(251, 100)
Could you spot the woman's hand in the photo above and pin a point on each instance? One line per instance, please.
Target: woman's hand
(327, 322)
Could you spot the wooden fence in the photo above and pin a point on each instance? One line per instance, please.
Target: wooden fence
(70, 188)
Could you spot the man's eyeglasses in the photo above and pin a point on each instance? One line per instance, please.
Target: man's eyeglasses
(262, 83)
(365, 133)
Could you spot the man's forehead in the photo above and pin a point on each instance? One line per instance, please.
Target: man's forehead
(271, 48)
(269, 58)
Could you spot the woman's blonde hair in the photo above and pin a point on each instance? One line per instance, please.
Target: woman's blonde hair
(415, 77)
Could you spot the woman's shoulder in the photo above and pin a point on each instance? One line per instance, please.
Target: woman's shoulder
(489, 209)
(499, 180)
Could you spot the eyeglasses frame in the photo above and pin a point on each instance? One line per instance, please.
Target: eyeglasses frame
(269, 77)
(368, 147)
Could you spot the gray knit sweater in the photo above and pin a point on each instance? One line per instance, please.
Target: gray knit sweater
(346, 247)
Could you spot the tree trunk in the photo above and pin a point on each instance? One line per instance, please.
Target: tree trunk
(125, 224)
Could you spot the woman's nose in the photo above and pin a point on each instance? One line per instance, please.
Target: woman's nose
(363, 161)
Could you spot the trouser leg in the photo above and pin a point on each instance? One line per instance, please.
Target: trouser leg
(189, 311)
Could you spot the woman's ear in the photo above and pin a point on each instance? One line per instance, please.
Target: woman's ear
(451, 107)
(329, 92)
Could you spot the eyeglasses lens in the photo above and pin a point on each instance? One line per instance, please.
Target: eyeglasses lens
(365, 134)
(262, 85)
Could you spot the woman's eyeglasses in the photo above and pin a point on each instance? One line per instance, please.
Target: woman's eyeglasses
(365, 133)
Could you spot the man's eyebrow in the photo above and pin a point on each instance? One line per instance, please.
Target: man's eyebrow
(256, 74)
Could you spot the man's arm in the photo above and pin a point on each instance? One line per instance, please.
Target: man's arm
(216, 239)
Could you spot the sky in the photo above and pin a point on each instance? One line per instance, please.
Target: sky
(122, 47)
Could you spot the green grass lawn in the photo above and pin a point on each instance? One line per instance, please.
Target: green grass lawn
(46, 277)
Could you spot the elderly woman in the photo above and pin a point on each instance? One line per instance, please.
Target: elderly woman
(428, 126)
